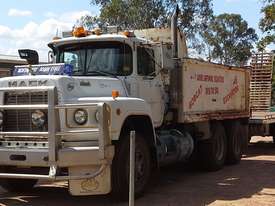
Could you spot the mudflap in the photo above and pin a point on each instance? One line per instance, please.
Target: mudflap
(100, 184)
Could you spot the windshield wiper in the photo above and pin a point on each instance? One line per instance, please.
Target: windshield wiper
(104, 73)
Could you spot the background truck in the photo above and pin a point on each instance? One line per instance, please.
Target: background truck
(262, 95)
(71, 120)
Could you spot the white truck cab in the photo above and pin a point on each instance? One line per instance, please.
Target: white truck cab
(135, 63)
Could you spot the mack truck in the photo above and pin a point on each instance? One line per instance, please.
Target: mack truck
(71, 119)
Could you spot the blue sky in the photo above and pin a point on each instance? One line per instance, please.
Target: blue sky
(40, 10)
(31, 24)
(249, 9)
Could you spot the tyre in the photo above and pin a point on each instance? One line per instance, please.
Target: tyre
(249, 139)
(212, 152)
(120, 167)
(17, 185)
(272, 131)
(235, 142)
(245, 137)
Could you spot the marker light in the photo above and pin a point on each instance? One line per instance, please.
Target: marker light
(79, 32)
(128, 33)
(97, 31)
(115, 94)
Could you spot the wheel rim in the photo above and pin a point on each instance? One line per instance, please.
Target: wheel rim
(140, 168)
(219, 147)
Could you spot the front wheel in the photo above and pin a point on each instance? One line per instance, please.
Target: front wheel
(120, 167)
(212, 152)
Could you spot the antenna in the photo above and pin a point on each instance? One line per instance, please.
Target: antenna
(56, 34)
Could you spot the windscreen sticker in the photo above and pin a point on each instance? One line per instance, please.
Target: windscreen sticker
(51, 69)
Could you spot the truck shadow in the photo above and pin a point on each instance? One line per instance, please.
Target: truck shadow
(177, 185)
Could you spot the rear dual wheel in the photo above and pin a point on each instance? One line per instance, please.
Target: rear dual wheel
(212, 152)
(237, 141)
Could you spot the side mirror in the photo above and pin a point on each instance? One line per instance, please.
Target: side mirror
(167, 60)
(30, 55)
(51, 57)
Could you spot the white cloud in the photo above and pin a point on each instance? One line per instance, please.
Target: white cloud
(36, 35)
(16, 12)
(50, 14)
(67, 17)
(72, 16)
(4, 31)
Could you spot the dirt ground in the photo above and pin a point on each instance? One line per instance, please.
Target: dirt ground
(250, 183)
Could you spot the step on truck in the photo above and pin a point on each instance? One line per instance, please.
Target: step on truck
(70, 120)
(262, 95)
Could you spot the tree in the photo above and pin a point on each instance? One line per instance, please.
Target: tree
(133, 14)
(195, 16)
(138, 14)
(194, 19)
(230, 40)
(90, 22)
(267, 24)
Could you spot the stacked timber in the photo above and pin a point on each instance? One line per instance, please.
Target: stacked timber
(261, 88)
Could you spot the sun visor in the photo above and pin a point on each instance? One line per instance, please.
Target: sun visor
(43, 69)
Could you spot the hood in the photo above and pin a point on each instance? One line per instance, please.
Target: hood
(69, 88)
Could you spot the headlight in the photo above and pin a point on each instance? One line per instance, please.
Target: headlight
(1, 118)
(80, 116)
(38, 118)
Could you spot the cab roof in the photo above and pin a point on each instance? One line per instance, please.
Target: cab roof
(92, 38)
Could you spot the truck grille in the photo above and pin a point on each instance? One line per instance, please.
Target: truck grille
(20, 120)
(13, 98)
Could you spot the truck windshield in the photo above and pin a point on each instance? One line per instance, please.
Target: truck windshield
(97, 58)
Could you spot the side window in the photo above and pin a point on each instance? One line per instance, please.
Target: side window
(75, 58)
(145, 61)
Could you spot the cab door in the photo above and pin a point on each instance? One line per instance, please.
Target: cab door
(150, 86)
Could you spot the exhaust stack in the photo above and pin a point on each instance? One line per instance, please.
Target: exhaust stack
(174, 31)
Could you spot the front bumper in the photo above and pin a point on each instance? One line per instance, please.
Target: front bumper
(56, 156)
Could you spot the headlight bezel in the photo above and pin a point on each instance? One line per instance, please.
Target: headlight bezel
(82, 113)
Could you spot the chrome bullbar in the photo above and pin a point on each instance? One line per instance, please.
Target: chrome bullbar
(100, 154)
